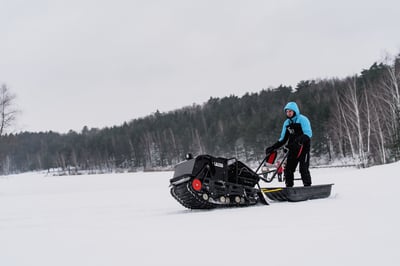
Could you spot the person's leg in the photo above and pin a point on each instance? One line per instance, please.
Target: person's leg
(291, 165)
(304, 166)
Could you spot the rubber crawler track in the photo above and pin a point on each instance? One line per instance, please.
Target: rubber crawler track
(190, 199)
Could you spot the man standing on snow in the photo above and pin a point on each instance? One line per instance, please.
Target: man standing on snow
(297, 133)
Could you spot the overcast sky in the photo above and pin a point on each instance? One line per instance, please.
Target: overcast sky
(98, 63)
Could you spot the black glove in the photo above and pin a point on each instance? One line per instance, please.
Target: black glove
(302, 139)
(273, 147)
(269, 150)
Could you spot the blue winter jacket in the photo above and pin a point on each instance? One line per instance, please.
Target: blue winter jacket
(297, 118)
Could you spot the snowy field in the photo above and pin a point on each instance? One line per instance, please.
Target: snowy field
(131, 219)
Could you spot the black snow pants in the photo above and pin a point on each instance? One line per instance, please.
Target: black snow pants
(300, 154)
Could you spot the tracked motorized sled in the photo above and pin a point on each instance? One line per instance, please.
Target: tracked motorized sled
(207, 182)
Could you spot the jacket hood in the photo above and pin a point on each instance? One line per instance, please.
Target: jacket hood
(292, 106)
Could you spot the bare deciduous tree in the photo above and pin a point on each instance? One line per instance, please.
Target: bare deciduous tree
(350, 109)
(8, 113)
(391, 84)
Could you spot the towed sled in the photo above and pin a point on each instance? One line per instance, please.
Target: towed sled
(208, 182)
(294, 194)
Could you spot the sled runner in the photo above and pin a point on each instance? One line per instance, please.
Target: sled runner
(208, 182)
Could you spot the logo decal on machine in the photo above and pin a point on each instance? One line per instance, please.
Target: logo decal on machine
(220, 165)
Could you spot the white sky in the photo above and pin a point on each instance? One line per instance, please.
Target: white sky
(98, 63)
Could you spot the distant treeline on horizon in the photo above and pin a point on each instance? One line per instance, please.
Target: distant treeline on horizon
(356, 117)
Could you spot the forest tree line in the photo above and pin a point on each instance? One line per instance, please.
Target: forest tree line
(356, 117)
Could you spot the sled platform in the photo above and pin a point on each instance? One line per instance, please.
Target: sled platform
(294, 194)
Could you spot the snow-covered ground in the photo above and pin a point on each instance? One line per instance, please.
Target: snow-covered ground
(131, 219)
